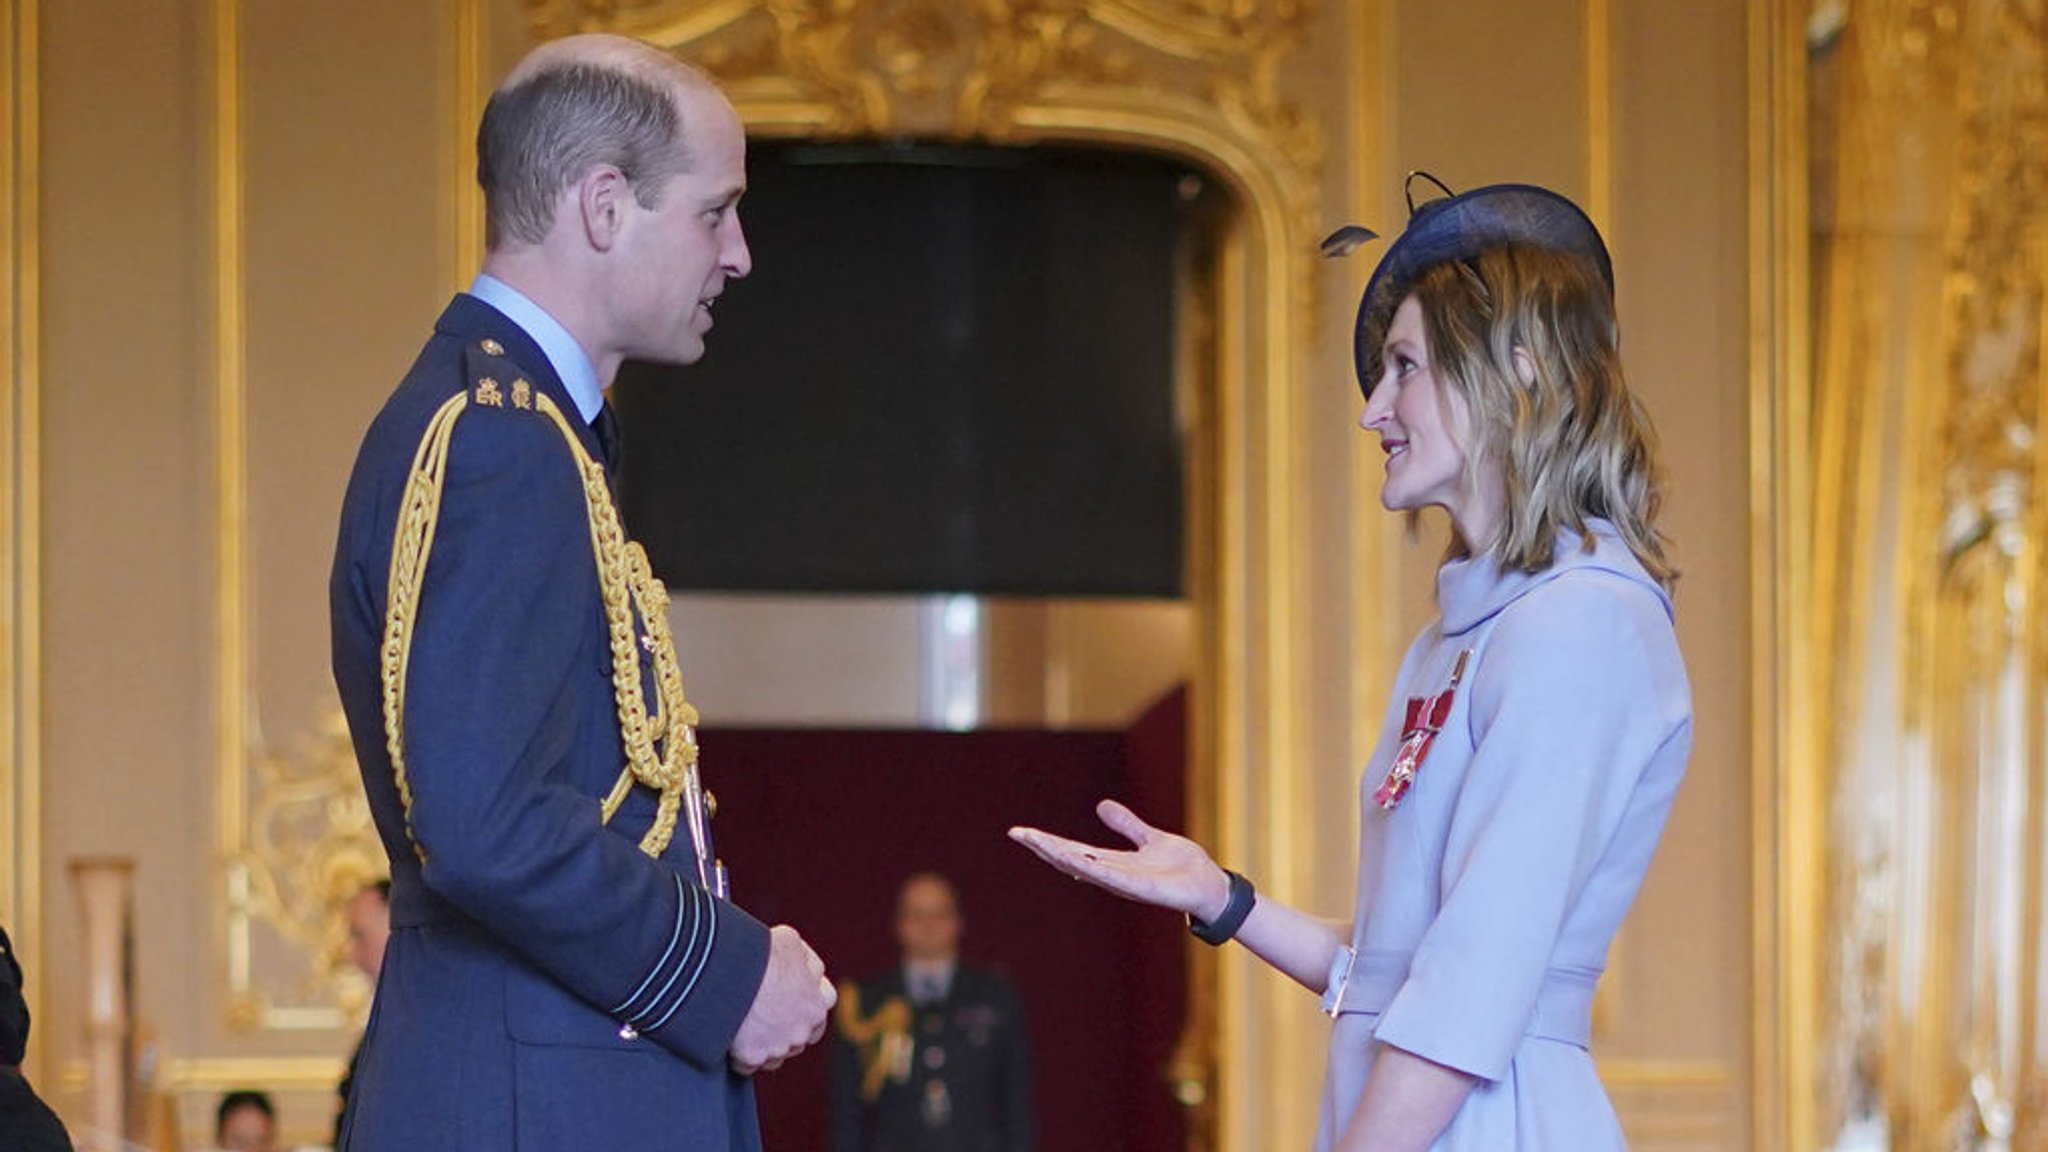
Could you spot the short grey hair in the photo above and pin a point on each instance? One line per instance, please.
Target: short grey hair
(545, 132)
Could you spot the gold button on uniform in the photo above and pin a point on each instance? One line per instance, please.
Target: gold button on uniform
(491, 347)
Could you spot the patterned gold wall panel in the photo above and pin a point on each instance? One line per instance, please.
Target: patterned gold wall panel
(1932, 244)
(314, 318)
(20, 499)
(1675, 1106)
(1787, 801)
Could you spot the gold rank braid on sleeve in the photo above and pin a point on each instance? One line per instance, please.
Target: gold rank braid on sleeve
(660, 746)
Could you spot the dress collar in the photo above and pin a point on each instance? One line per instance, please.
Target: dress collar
(1472, 590)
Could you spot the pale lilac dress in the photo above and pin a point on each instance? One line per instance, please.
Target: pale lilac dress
(1487, 897)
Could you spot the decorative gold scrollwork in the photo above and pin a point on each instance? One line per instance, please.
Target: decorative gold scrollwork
(1932, 379)
(311, 845)
(1199, 78)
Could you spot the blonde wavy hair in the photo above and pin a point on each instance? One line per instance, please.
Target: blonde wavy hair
(1527, 337)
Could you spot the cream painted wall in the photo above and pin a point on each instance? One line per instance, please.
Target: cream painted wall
(344, 125)
(1680, 221)
(347, 126)
(862, 661)
(127, 497)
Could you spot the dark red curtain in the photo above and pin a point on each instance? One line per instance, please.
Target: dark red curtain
(819, 827)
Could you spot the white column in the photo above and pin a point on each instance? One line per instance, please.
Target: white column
(105, 887)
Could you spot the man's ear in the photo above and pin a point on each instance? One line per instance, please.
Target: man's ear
(601, 205)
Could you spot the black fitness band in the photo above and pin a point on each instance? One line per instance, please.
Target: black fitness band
(1228, 921)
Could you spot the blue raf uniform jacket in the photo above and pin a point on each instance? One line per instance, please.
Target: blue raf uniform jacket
(547, 984)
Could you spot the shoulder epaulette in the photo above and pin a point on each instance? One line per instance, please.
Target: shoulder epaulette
(495, 380)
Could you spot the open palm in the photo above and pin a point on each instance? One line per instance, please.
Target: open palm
(1159, 868)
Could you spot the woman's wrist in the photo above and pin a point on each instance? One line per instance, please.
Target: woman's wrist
(1215, 897)
(1223, 925)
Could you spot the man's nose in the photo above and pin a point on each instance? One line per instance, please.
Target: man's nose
(739, 259)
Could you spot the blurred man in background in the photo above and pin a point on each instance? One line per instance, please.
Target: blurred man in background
(933, 1055)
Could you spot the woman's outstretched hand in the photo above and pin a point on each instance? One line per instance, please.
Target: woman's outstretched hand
(1159, 868)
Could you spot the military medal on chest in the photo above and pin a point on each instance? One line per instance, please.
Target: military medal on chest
(1425, 718)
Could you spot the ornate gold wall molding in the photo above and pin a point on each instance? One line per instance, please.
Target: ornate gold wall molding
(1375, 540)
(1600, 116)
(1927, 640)
(309, 845)
(1788, 800)
(232, 699)
(293, 831)
(1200, 80)
(21, 495)
(1976, 651)
(1674, 1104)
(463, 24)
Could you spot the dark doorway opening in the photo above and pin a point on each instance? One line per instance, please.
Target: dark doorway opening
(952, 370)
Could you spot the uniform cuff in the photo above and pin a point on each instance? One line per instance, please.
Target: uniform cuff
(693, 999)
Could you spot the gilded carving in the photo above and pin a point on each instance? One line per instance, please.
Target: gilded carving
(311, 845)
(1988, 732)
(1932, 382)
(1199, 77)
(1995, 275)
(20, 562)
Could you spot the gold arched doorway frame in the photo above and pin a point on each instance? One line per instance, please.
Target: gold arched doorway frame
(1199, 81)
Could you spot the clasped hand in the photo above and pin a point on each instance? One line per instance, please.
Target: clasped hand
(789, 1010)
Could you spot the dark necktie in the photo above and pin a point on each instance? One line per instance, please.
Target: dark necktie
(607, 428)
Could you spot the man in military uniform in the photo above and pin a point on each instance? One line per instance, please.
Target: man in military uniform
(933, 1056)
(564, 968)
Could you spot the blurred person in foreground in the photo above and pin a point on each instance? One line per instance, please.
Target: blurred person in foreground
(26, 1123)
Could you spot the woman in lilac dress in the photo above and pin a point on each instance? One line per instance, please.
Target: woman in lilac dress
(1538, 727)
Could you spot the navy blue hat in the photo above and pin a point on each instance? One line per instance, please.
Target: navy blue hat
(13, 1009)
(1458, 226)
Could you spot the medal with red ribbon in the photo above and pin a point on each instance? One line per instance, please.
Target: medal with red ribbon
(1426, 716)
